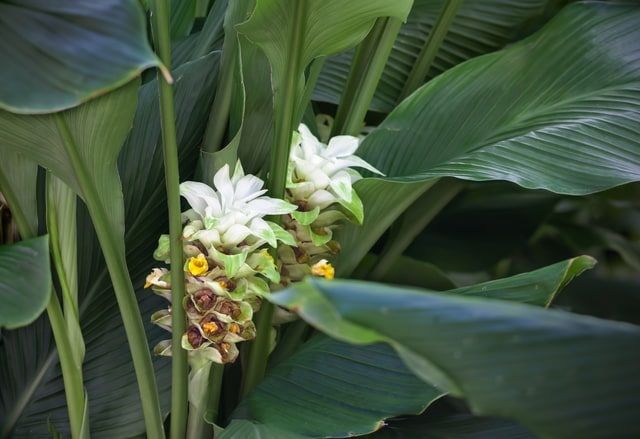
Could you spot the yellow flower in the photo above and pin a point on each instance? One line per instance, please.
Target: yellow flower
(198, 265)
(324, 269)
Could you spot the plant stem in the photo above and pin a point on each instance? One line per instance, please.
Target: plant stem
(368, 65)
(215, 384)
(430, 49)
(115, 260)
(179, 364)
(219, 114)
(285, 106)
(71, 372)
(312, 78)
(413, 221)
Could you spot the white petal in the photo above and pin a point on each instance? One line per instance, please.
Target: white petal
(248, 187)
(308, 172)
(207, 237)
(235, 234)
(270, 206)
(321, 199)
(356, 162)
(342, 146)
(300, 191)
(196, 195)
(222, 182)
(214, 209)
(309, 143)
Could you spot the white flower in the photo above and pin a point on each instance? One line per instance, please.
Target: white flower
(321, 174)
(233, 212)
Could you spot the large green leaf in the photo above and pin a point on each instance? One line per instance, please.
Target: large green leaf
(25, 281)
(537, 287)
(327, 389)
(548, 370)
(242, 429)
(456, 426)
(314, 28)
(300, 396)
(98, 127)
(557, 111)
(113, 396)
(480, 26)
(61, 53)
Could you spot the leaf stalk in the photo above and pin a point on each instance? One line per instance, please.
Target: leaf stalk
(113, 251)
(179, 363)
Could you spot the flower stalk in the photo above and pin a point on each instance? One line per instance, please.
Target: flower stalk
(179, 365)
(286, 100)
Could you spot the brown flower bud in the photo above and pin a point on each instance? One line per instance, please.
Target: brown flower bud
(194, 337)
(205, 299)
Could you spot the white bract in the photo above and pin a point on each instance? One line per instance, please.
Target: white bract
(321, 174)
(233, 212)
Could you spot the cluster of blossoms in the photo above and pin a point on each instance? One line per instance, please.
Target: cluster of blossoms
(320, 183)
(227, 265)
(225, 239)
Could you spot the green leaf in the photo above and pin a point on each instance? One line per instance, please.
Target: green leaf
(241, 429)
(183, 14)
(540, 113)
(25, 281)
(252, 108)
(537, 287)
(322, 27)
(99, 128)
(546, 369)
(457, 426)
(111, 385)
(65, 53)
(325, 390)
(479, 27)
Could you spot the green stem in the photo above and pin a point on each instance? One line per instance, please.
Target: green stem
(68, 284)
(413, 221)
(215, 384)
(116, 264)
(312, 78)
(364, 52)
(179, 364)
(219, 114)
(285, 106)
(200, 419)
(368, 67)
(430, 49)
(71, 372)
(373, 73)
